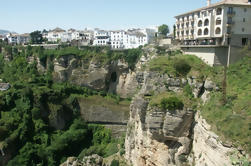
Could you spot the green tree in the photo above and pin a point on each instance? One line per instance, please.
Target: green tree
(174, 31)
(36, 37)
(163, 30)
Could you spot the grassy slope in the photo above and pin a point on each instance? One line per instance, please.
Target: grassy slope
(233, 120)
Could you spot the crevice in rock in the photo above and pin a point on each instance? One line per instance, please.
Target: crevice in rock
(172, 144)
(202, 90)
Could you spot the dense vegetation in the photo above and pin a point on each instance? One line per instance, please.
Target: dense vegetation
(30, 131)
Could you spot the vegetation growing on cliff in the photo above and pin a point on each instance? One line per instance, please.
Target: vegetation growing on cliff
(181, 66)
(39, 119)
(232, 121)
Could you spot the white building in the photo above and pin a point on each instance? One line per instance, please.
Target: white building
(56, 35)
(207, 32)
(101, 38)
(132, 38)
(216, 23)
(18, 38)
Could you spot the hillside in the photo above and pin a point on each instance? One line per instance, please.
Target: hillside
(170, 102)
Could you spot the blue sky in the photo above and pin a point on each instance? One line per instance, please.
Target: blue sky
(29, 15)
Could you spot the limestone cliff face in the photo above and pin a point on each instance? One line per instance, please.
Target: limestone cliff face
(207, 147)
(157, 137)
(115, 77)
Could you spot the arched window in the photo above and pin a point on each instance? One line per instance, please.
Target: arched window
(206, 23)
(219, 11)
(218, 31)
(205, 31)
(200, 23)
(218, 21)
(199, 32)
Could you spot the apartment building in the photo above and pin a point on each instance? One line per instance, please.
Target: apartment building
(101, 38)
(227, 22)
(132, 38)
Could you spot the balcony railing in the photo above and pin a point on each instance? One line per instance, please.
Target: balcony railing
(229, 23)
(230, 13)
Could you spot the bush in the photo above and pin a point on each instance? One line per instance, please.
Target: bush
(182, 67)
(188, 91)
(114, 163)
(171, 103)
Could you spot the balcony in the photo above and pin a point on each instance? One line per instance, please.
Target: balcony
(230, 23)
(230, 13)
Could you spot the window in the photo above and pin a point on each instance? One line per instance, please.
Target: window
(206, 31)
(200, 23)
(229, 20)
(218, 31)
(243, 29)
(219, 11)
(245, 9)
(206, 23)
(244, 20)
(230, 10)
(244, 41)
(199, 32)
(218, 21)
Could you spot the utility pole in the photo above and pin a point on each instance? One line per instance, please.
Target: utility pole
(224, 82)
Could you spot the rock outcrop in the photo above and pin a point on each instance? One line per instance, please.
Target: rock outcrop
(93, 160)
(208, 149)
(157, 137)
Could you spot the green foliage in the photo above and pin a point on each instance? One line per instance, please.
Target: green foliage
(163, 29)
(32, 101)
(171, 103)
(232, 120)
(182, 67)
(188, 91)
(114, 163)
(36, 37)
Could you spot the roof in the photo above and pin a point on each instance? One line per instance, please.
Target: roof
(57, 30)
(223, 2)
(136, 33)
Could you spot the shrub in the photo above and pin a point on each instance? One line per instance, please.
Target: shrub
(188, 91)
(182, 67)
(114, 163)
(171, 103)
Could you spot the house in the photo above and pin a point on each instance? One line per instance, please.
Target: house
(217, 31)
(101, 38)
(18, 38)
(132, 38)
(23, 38)
(135, 38)
(55, 35)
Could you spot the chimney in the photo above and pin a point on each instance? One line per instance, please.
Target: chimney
(208, 2)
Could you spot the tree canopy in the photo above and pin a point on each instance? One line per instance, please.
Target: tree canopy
(163, 30)
(36, 37)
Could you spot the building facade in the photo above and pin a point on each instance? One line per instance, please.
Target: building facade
(224, 23)
(101, 38)
(216, 24)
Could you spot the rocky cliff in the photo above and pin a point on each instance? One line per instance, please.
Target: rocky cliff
(114, 78)
(164, 137)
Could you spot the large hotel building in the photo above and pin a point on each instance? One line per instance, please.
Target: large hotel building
(213, 28)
